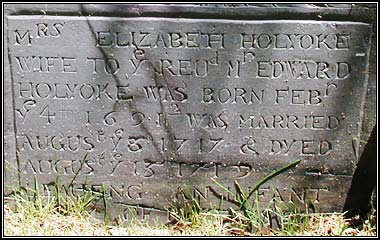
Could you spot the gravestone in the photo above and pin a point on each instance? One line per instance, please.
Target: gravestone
(149, 103)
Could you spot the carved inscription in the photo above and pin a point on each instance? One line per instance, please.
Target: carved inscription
(145, 106)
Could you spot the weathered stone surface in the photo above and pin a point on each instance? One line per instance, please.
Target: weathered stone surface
(154, 108)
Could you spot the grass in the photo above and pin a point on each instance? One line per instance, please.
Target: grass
(250, 215)
(42, 217)
(28, 213)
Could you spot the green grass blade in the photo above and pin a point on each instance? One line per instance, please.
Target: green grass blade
(80, 167)
(267, 178)
(224, 188)
(241, 193)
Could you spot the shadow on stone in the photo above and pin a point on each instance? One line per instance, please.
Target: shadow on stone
(358, 200)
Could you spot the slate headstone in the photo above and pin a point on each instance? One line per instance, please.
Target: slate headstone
(150, 109)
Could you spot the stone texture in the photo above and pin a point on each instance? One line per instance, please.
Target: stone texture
(151, 109)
